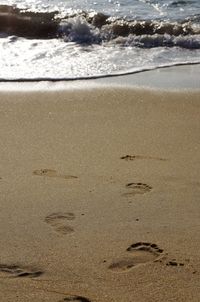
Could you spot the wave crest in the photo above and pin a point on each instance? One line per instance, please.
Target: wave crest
(99, 28)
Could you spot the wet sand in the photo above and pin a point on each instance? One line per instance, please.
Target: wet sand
(100, 191)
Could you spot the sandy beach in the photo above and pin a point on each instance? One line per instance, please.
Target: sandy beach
(100, 195)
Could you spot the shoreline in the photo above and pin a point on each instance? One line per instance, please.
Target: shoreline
(173, 78)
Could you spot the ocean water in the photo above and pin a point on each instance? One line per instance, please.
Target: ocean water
(53, 39)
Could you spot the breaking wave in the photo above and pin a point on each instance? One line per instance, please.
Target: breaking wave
(98, 28)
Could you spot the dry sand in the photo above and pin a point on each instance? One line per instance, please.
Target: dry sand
(100, 196)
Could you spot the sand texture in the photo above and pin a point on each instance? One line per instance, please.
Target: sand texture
(100, 196)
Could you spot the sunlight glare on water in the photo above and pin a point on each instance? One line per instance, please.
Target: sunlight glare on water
(144, 34)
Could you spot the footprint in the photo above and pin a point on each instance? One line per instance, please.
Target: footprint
(71, 298)
(134, 157)
(58, 222)
(122, 264)
(137, 188)
(18, 271)
(142, 252)
(52, 173)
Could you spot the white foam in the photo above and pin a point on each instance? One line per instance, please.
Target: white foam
(77, 29)
(55, 59)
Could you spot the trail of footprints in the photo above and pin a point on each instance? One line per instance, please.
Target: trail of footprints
(137, 253)
(138, 187)
(58, 221)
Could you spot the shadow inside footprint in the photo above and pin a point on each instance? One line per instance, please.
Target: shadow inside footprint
(64, 229)
(17, 271)
(174, 263)
(123, 264)
(58, 222)
(144, 251)
(137, 188)
(75, 299)
(59, 216)
(52, 173)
